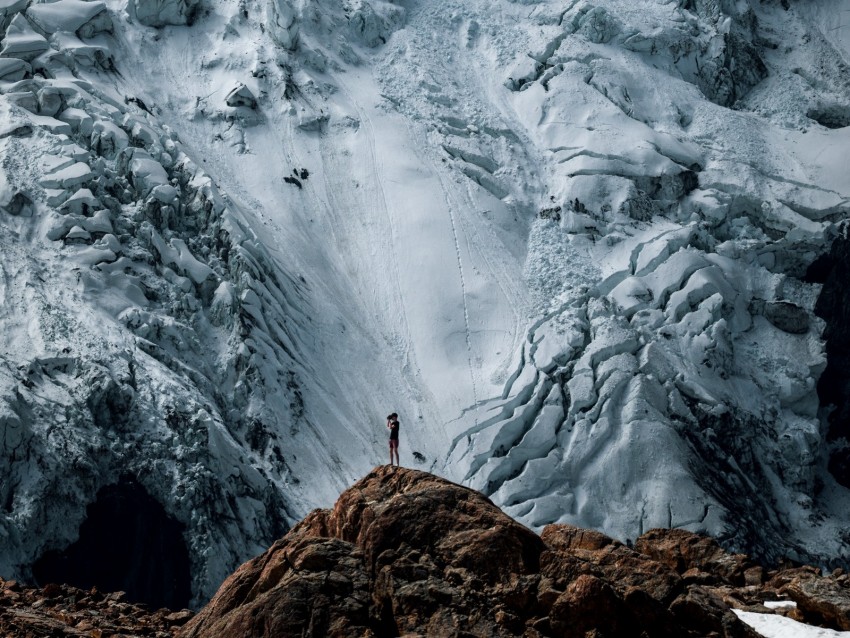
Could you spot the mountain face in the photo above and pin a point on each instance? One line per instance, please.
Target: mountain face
(591, 252)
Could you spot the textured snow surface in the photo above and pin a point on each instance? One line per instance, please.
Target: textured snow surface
(773, 626)
(566, 241)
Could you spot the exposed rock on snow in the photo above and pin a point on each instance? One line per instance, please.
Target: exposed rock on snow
(241, 96)
(159, 13)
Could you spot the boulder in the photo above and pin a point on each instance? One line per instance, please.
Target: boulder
(787, 316)
(685, 551)
(78, 234)
(146, 173)
(81, 202)
(69, 177)
(823, 601)
(372, 23)
(284, 22)
(108, 139)
(78, 120)
(15, 202)
(241, 96)
(50, 101)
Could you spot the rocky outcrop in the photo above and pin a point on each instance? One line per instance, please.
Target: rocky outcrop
(59, 610)
(404, 552)
(407, 553)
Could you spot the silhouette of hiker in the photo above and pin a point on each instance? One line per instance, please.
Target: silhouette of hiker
(392, 426)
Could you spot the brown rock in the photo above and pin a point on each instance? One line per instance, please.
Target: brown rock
(779, 579)
(407, 553)
(404, 553)
(683, 550)
(71, 612)
(179, 617)
(705, 613)
(821, 601)
(754, 575)
(590, 604)
(464, 529)
(410, 539)
(51, 590)
(567, 537)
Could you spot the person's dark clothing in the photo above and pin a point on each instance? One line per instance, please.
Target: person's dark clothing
(394, 431)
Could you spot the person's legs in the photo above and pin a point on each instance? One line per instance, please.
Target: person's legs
(394, 450)
(391, 451)
(396, 454)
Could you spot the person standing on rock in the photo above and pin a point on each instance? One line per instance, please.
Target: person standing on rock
(392, 426)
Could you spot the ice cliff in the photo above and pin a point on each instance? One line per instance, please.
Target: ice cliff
(589, 251)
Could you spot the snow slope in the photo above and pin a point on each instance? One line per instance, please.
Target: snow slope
(566, 241)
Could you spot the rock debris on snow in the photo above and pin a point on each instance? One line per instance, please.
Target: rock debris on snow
(159, 13)
(241, 96)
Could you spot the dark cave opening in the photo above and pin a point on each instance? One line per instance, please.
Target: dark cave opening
(832, 116)
(833, 306)
(127, 543)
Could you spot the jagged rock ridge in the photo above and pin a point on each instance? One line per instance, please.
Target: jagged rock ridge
(407, 553)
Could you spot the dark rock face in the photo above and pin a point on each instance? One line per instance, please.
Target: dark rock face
(833, 306)
(787, 316)
(127, 543)
(406, 552)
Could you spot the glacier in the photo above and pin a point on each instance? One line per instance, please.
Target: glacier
(579, 247)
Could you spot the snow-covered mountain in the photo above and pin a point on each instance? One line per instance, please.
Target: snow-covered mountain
(577, 245)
